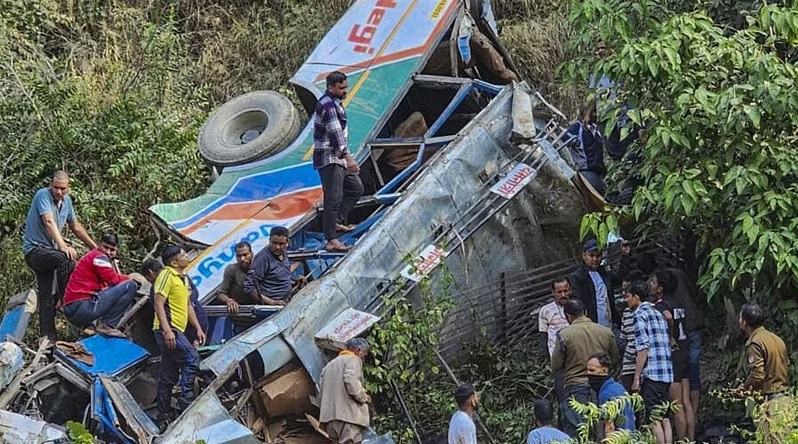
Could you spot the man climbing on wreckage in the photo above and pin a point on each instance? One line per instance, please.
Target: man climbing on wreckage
(173, 313)
(97, 292)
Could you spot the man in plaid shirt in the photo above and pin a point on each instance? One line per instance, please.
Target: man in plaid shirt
(339, 173)
(653, 364)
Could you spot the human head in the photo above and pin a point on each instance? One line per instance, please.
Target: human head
(574, 309)
(599, 364)
(626, 247)
(587, 114)
(150, 269)
(635, 293)
(337, 85)
(59, 185)
(244, 255)
(591, 254)
(751, 317)
(175, 257)
(602, 50)
(543, 412)
(358, 346)
(278, 240)
(466, 397)
(661, 283)
(634, 275)
(109, 244)
(561, 289)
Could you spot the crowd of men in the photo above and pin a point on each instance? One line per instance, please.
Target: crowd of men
(93, 294)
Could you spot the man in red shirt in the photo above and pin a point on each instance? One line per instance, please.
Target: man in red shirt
(96, 291)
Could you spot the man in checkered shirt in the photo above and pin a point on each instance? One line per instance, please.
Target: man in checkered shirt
(339, 172)
(653, 365)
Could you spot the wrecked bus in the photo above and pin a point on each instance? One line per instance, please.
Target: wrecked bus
(460, 163)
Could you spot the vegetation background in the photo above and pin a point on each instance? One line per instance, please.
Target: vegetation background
(115, 92)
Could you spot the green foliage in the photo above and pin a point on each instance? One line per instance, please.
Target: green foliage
(613, 410)
(508, 383)
(407, 337)
(721, 110)
(78, 433)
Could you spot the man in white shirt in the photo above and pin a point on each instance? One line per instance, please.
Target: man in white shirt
(551, 319)
(461, 427)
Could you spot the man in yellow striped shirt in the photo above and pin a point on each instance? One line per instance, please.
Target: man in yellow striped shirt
(173, 312)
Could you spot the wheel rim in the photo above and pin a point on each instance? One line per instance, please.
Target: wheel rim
(244, 128)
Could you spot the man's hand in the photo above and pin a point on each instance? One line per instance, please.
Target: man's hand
(169, 338)
(269, 301)
(232, 306)
(71, 253)
(200, 337)
(351, 164)
(636, 384)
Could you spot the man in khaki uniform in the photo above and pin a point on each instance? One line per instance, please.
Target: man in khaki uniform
(343, 399)
(574, 346)
(768, 373)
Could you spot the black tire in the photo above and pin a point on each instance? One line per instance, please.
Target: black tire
(249, 127)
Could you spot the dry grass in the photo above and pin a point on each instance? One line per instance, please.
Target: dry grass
(538, 47)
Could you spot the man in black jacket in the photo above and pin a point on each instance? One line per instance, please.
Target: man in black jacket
(591, 285)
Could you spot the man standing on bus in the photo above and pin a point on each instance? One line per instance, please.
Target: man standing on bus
(338, 170)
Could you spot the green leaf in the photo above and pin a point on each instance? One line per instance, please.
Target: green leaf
(753, 114)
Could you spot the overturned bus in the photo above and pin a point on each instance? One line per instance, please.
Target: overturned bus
(460, 163)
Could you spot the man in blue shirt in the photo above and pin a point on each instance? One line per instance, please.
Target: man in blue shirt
(269, 277)
(45, 250)
(544, 432)
(607, 389)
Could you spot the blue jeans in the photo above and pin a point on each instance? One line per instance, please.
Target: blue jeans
(107, 306)
(179, 366)
(694, 337)
(569, 419)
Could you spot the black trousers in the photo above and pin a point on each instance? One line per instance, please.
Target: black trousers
(342, 190)
(52, 268)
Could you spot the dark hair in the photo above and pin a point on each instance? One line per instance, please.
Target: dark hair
(169, 253)
(603, 359)
(646, 262)
(634, 275)
(665, 280)
(639, 289)
(357, 344)
(543, 413)
(463, 393)
(110, 239)
(560, 280)
(588, 106)
(335, 77)
(244, 244)
(278, 231)
(753, 315)
(575, 308)
(151, 266)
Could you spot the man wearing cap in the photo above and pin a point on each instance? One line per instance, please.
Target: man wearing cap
(461, 427)
(590, 284)
(768, 372)
(343, 406)
(46, 252)
(96, 291)
(173, 313)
